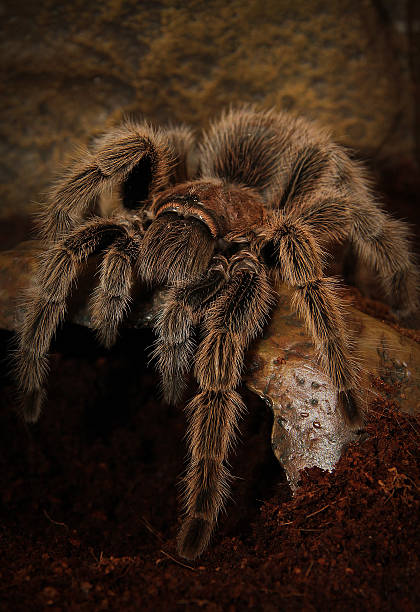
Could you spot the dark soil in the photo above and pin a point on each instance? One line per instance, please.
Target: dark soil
(90, 507)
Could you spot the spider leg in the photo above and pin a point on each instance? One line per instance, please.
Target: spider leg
(242, 147)
(233, 319)
(181, 139)
(379, 241)
(182, 310)
(328, 216)
(134, 158)
(46, 306)
(383, 244)
(112, 295)
(291, 247)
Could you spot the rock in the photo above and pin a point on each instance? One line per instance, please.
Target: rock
(309, 428)
(71, 70)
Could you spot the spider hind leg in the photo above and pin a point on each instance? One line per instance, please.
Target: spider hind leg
(382, 243)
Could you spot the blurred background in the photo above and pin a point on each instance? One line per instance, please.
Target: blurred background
(73, 68)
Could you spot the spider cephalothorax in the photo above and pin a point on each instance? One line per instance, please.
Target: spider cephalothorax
(270, 194)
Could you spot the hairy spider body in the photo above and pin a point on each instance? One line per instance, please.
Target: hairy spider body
(270, 194)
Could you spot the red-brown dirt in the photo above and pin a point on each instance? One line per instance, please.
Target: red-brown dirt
(90, 506)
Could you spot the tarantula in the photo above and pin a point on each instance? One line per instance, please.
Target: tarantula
(270, 194)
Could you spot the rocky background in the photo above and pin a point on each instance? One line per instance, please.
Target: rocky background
(73, 68)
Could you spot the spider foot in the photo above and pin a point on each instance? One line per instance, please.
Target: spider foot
(194, 537)
(32, 405)
(350, 402)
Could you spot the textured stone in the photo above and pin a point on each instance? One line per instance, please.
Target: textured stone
(73, 68)
(308, 428)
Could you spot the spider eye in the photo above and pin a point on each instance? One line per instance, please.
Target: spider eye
(135, 188)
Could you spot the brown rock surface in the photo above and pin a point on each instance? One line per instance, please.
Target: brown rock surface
(72, 69)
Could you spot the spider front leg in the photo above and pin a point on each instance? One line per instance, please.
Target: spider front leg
(183, 308)
(112, 296)
(45, 306)
(134, 158)
(232, 320)
(290, 247)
